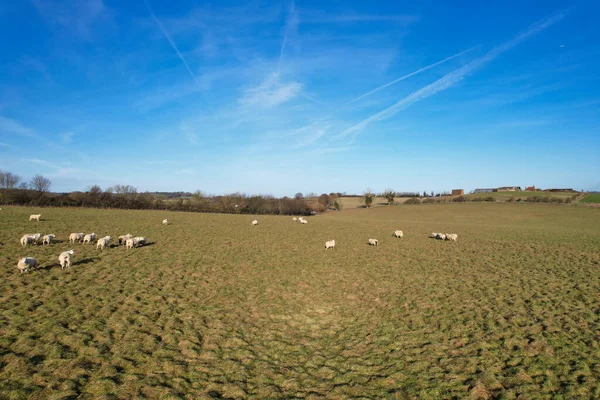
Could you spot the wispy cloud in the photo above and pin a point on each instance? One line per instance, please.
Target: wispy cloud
(271, 92)
(409, 75)
(67, 136)
(4, 145)
(8, 125)
(168, 37)
(452, 78)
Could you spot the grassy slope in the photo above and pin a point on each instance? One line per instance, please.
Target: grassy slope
(591, 198)
(216, 307)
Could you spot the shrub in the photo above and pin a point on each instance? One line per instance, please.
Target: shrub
(413, 200)
(429, 200)
(459, 199)
(490, 199)
(511, 199)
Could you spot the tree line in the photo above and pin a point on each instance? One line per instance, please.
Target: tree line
(13, 191)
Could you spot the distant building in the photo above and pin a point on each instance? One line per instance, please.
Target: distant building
(458, 192)
(530, 189)
(490, 190)
(509, 189)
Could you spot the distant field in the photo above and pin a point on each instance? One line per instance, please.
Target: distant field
(523, 195)
(591, 198)
(216, 308)
(358, 202)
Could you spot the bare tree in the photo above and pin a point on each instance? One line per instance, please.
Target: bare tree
(122, 189)
(8, 180)
(40, 183)
(299, 196)
(389, 195)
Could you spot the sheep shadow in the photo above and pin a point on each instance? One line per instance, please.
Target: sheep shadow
(149, 244)
(86, 261)
(49, 266)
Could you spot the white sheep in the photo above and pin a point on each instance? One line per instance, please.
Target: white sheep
(26, 263)
(330, 244)
(32, 238)
(452, 236)
(89, 238)
(373, 242)
(103, 242)
(123, 239)
(255, 222)
(441, 236)
(140, 240)
(27, 239)
(165, 222)
(303, 221)
(76, 237)
(130, 243)
(294, 219)
(398, 233)
(35, 216)
(65, 259)
(47, 239)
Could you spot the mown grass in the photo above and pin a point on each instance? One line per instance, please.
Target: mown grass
(216, 308)
(591, 198)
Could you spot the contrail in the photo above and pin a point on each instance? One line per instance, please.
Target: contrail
(409, 75)
(164, 31)
(452, 78)
(291, 22)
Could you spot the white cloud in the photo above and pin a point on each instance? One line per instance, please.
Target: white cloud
(271, 92)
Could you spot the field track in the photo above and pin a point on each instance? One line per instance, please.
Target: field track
(216, 308)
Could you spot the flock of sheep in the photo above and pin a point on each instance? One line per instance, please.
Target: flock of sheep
(25, 264)
(330, 244)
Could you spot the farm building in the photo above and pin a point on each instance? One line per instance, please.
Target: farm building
(489, 190)
(530, 189)
(509, 189)
(458, 192)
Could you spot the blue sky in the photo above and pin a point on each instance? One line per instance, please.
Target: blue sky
(311, 96)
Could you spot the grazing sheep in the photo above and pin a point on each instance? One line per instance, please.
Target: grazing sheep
(330, 244)
(26, 263)
(65, 259)
(47, 239)
(103, 242)
(30, 238)
(35, 216)
(303, 221)
(89, 238)
(165, 222)
(294, 219)
(141, 240)
(398, 234)
(123, 239)
(452, 236)
(130, 243)
(373, 242)
(255, 222)
(441, 236)
(76, 237)
(26, 239)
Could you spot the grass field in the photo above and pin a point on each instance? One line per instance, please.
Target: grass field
(591, 198)
(216, 308)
